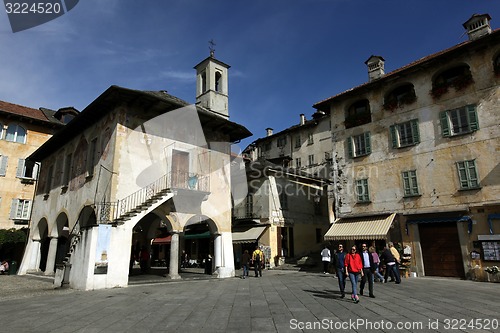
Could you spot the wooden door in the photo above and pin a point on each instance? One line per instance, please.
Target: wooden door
(180, 169)
(441, 250)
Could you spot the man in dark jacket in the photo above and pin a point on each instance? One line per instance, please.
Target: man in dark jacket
(338, 260)
(369, 268)
(390, 266)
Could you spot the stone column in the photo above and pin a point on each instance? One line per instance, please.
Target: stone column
(35, 256)
(51, 257)
(173, 269)
(218, 253)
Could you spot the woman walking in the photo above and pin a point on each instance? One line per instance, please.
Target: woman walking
(354, 267)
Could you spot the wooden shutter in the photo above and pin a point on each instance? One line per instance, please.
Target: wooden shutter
(3, 165)
(473, 123)
(349, 147)
(394, 136)
(414, 131)
(368, 143)
(445, 126)
(13, 209)
(20, 168)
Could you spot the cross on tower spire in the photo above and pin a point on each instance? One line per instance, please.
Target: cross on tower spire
(212, 47)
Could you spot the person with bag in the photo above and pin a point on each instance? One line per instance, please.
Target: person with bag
(257, 259)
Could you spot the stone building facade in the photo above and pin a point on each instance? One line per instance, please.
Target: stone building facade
(22, 131)
(422, 142)
(133, 167)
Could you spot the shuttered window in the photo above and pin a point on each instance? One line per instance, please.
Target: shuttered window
(359, 145)
(405, 134)
(362, 193)
(410, 184)
(459, 121)
(467, 174)
(20, 209)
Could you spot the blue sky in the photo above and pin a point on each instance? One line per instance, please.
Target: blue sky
(285, 55)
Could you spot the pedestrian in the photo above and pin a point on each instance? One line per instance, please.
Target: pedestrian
(245, 259)
(339, 262)
(390, 265)
(376, 261)
(184, 259)
(257, 260)
(144, 259)
(325, 257)
(368, 270)
(354, 267)
(397, 259)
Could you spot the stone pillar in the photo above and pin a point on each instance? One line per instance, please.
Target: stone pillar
(173, 269)
(218, 253)
(51, 257)
(223, 253)
(35, 255)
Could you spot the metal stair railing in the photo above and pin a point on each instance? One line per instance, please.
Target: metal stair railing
(110, 212)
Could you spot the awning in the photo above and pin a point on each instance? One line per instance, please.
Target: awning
(249, 235)
(205, 234)
(373, 227)
(162, 240)
(441, 220)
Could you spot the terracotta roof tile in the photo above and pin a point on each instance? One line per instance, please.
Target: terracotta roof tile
(23, 111)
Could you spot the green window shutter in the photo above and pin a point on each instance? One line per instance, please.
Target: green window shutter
(349, 147)
(3, 165)
(394, 137)
(20, 168)
(445, 127)
(414, 131)
(473, 123)
(367, 143)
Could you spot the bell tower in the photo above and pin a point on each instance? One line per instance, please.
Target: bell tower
(211, 84)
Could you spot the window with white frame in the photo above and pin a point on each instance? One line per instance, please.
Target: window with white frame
(362, 193)
(405, 134)
(467, 175)
(16, 133)
(298, 163)
(3, 165)
(410, 184)
(459, 121)
(311, 159)
(359, 145)
(26, 169)
(20, 209)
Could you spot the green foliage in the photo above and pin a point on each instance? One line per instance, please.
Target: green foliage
(12, 236)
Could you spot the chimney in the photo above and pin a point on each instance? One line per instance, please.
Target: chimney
(302, 119)
(375, 67)
(478, 26)
(269, 131)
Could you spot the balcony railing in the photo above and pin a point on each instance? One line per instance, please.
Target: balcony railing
(109, 212)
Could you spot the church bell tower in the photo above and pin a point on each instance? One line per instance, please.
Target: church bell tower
(211, 84)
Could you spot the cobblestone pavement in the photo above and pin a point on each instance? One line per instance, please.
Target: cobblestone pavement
(280, 301)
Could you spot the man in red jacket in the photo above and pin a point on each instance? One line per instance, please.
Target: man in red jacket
(354, 267)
